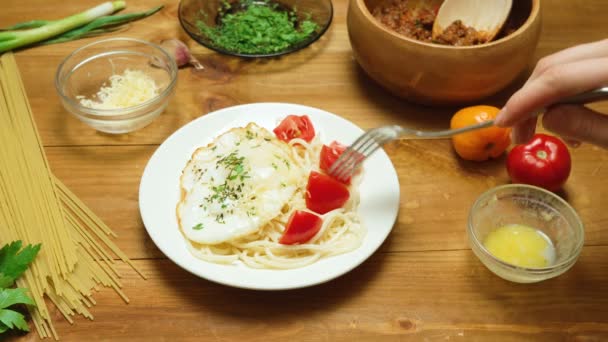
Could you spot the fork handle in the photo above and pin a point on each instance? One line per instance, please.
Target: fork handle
(594, 95)
(591, 96)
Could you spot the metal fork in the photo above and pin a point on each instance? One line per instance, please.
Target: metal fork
(373, 139)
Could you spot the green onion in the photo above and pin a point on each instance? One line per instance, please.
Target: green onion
(26, 25)
(39, 30)
(101, 25)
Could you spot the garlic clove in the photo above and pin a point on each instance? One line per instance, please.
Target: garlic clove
(180, 53)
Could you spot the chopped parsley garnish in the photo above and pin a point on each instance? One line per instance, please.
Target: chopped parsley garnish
(233, 186)
(198, 226)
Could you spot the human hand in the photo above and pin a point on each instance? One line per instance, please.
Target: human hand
(566, 73)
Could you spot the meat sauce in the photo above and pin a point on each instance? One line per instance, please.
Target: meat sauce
(458, 34)
(398, 16)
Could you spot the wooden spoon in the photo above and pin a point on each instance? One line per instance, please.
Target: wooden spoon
(486, 16)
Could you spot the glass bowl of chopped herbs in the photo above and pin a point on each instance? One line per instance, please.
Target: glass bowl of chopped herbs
(255, 28)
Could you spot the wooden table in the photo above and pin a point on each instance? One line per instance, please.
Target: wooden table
(423, 284)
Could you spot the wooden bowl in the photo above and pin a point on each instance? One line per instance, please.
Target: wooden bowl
(436, 74)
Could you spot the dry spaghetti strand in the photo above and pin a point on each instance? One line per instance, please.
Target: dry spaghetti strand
(36, 207)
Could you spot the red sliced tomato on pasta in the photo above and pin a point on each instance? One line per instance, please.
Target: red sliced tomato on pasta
(301, 227)
(329, 154)
(324, 194)
(294, 126)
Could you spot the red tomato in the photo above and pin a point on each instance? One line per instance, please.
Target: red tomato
(294, 126)
(301, 227)
(324, 194)
(544, 162)
(329, 155)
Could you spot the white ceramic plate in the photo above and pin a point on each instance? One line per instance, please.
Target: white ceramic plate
(159, 193)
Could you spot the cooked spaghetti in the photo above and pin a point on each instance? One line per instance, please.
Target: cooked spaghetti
(247, 223)
(36, 207)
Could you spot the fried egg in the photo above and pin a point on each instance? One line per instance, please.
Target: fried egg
(236, 184)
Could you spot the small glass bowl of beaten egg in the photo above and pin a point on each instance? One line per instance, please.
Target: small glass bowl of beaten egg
(524, 234)
(117, 85)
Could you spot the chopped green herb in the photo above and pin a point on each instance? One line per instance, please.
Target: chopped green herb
(198, 226)
(261, 27)
(229, 190)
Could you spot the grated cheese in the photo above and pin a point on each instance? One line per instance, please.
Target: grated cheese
(132, 88)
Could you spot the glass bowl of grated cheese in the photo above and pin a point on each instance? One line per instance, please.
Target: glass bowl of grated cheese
(117, 85)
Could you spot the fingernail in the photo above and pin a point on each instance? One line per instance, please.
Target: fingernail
(500, 118)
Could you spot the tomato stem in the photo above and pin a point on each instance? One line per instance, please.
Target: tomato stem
(541, 154)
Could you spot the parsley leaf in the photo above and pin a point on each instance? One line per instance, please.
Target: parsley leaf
(5, 281)
(198, 226)
(13, 263)
(10, 297)
(12, 319)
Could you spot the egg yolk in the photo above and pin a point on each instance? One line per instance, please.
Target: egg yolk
(521, 246)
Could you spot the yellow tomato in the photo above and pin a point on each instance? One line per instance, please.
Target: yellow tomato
(481, 144)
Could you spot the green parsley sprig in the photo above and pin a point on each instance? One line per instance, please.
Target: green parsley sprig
(13, 262)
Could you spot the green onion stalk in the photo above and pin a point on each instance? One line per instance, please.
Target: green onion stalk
(37, 31)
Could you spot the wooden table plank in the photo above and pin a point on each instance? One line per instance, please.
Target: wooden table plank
(294, 78)
(393, 297)
(423, 284)
(437, 191)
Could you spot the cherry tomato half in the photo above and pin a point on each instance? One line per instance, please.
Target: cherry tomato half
(294, 126)
(329, 154)
(324, 194)
(301, 227)
(544, 162)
